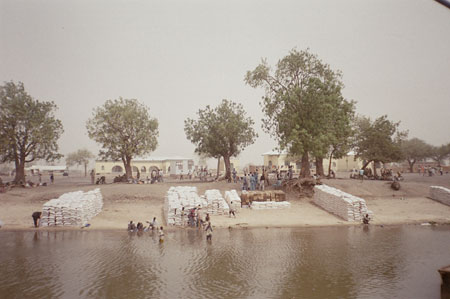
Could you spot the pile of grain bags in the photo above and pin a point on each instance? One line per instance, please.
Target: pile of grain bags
(232, 198)
(339, 203)
(271, 195)
(216, 203)
(72, 209)
(440, 194)
(178, 198)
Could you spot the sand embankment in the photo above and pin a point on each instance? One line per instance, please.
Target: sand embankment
(125, 202)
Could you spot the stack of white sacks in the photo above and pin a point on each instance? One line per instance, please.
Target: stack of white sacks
(177, 198)
(344, 205)
(187, 197)
(440, 194)
(232, 198)
(264, 205)
(72, 209)
(216, 203)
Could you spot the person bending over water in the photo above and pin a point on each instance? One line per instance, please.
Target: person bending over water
(131, 226)
(36, 218)
(366, 219)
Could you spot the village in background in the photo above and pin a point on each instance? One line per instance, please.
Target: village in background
(175, 166)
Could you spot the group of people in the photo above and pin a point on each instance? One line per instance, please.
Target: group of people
(424, 170)
(156, 176)
(203, 173)
(152, 226)
(251, 181)
(195, 219)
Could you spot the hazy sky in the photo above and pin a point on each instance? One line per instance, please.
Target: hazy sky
(179, 56)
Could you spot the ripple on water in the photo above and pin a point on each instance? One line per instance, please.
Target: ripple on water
(311, 263)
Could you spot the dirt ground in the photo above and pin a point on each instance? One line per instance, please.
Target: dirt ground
(125, 202)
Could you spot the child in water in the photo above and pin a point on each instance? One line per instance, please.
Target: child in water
(161, 235)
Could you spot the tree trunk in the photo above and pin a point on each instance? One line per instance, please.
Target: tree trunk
(218, 167)
(329, 164)
(20, 172)
(85, 169)
(319, 166)
(227, 163)
(127, 164)
(375, 168)
(411, 165)
(365, 165)
(305, 172)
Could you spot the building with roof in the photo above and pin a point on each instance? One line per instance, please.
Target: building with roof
(145, 165)
(47, 168)
(279, 160)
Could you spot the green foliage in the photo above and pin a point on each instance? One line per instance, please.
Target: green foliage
(223, 131)
(28, 128)
(439, 153)
(124, 129)
(80, 157)
(378, 141)
(415, 150)
(303, 105)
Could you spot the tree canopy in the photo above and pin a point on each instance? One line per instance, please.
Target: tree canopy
(29, 130)
(303, 105)
(124, 129)
(378, 140)
(439, 153)
(415, 150)
(223, 131)
(80, 157)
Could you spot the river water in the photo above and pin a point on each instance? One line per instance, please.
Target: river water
(331, 262)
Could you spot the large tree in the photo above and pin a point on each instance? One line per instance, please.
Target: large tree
(439, 153)
(302, 97)
(29, 130)
(124, 129)
(341, 132)
(223, 131)
(378, 141)
(415, 150)
(80, 157)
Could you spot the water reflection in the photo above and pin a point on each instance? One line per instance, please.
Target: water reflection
(337, 262)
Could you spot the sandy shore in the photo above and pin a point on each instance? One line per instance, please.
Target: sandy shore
(125, 202)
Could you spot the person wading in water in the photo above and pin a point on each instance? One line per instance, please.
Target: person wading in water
(209, 231)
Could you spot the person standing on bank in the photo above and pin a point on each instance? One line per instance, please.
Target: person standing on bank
(262, 182)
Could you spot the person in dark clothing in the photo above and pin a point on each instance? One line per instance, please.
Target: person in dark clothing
(366, 219)
(131, 226)
(36, 218)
